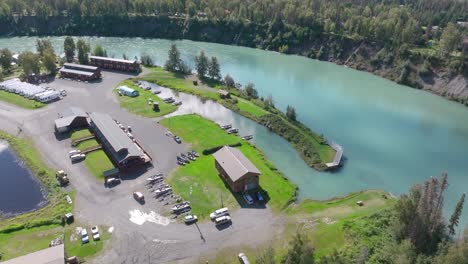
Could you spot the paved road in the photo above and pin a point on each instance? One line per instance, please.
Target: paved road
(95, 204)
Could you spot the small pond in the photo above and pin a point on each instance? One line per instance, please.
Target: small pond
(20, 191)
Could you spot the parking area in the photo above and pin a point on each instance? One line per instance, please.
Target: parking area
(143, 232)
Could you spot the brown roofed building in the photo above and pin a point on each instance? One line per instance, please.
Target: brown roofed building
(115, 64)
(236, 170)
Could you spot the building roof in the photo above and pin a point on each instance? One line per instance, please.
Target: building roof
(126, 89)
(84, 67)
(121, 144)
(69, 116)
(234, 163)
(52, 255)
(112, 59)
(223, 92)
(85, 73)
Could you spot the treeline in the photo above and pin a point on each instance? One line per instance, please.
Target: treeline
(412, 231)
(284, 22)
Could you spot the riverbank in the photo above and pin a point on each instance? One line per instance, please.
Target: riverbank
(423, 66)
(312, 147)
(199, 181)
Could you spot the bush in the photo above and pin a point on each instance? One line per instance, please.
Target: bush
(12, 228)
(214, 149)
(146, 60)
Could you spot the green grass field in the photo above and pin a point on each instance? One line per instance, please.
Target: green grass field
(177, 82)
(80, 134)
(202, 177)
(250, 107)
(87, 144)
(25, 241)
(74, 247)
(98, 162)
(20, 101)
(139, 105)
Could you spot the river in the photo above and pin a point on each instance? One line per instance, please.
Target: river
(393, 136)
(19, 191)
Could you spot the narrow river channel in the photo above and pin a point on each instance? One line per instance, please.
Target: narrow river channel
(393, 136)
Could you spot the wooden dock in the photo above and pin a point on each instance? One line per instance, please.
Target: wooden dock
(338, 155)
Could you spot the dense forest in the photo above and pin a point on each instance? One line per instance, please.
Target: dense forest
(419, 43)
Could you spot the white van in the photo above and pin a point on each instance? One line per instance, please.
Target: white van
(222, 220)
(219, 212)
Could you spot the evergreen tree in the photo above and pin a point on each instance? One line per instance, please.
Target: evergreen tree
(6, 58)
(201, 64)
(83, 50)
(454, 219)
(173, 63)
(450, 39)
(291, 113)
(251, 91)
(146, 60)
(300, 251)
(43, 45)
(214, 70)
(69, 48)
(229, 81)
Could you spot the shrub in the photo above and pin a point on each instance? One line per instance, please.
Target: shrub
(212, 150)
(12, 228)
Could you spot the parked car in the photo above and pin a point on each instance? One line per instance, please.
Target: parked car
(177, 139)
(84, 236)
(259, 196)
(112, 181)
(219, 212)
(74, 152)
(189, 219)
(77, 157)
(129, 128)
(243, 258)
(139, 197)
(63, 93)
(248, 198)
(222, 220)
(95, 233)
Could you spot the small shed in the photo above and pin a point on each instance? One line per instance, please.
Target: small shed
(224, 94)
(237, 171)
(125, 90)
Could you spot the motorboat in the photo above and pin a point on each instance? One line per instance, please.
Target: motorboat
(248, 137)
(233, 131)
(226, 127)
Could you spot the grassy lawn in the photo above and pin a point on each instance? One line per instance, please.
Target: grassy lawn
(87, 144)
(177, 82)
(249, 107)
(26, 241)
(74, 246)
(98, 162)
(20, 101)
(327, 236)
(202, 177)
(77, 134)
(139, 105)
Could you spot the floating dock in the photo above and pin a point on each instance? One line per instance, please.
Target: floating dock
(339, 153)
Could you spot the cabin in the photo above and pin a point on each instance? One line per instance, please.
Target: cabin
(127, 91)
(223, 94)
(74, 118)
(124, 151)
(237, 171)
(80, 72)
(115, 64)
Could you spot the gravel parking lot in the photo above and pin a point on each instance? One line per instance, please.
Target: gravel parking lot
(148, 238)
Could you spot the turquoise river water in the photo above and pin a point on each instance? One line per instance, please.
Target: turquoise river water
(393, 136)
